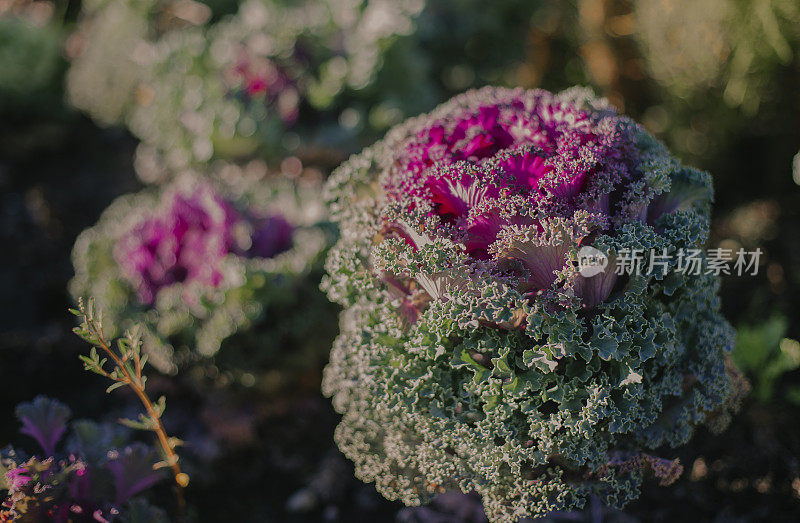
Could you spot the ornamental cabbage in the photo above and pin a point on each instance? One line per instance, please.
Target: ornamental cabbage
(229, 91)
(203, 266)
(309, 78)
(474, 353)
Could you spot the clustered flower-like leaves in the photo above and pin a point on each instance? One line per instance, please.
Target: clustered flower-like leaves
(189, 236)
(200, 265)
(473, 355)
(95, 477)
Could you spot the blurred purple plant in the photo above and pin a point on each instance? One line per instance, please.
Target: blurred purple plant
(41, 489)
(44, 420)
(133, 472)
(72, 485)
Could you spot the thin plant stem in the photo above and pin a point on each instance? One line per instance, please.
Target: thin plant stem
(135, 382)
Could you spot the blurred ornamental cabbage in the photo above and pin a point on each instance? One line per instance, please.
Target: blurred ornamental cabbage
(473, 354)
(110, 47)
(226, 91)
(241, 88)
(95, 476)
(309, 78)
(204, 265)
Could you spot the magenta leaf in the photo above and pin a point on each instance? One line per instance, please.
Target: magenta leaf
(133, 471)
(45, 420)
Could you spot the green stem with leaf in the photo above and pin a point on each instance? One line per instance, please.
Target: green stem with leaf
(128, 364)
